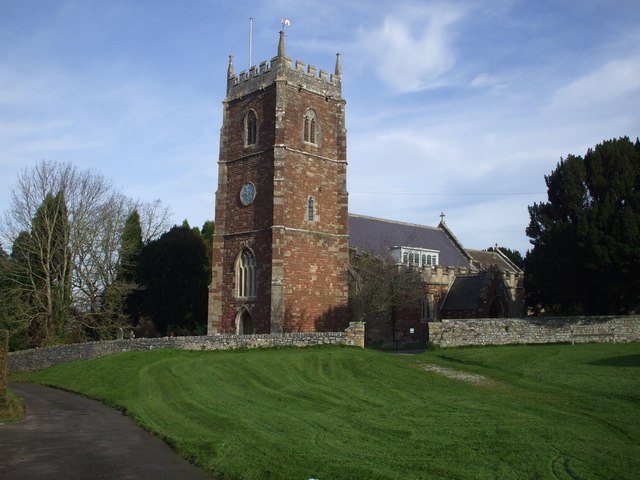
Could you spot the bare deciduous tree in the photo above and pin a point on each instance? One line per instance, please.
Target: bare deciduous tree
(155, 219)
(378, 285)
(96, 214)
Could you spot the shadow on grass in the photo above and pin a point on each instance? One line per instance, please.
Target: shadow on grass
(624, 361)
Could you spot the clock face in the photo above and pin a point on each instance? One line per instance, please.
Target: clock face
(247, 193)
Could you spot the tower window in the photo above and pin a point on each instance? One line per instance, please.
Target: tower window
(310, 127)
(246, 278)
(251, 128)
(311, 205)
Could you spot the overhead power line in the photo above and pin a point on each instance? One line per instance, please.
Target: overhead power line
(450, 194)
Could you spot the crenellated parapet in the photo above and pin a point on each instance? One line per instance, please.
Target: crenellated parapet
(282, 68)
(439, 275)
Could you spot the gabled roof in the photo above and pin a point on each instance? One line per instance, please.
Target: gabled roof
(377, 236)
(483, 260)
(464, 293)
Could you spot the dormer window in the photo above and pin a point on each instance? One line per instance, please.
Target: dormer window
(416, 257)
(310, 127)
(251, 129)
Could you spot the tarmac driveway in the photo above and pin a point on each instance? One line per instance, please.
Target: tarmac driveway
(66, 436)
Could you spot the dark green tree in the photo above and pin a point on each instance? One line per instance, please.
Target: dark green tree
(207, 233)
(174, 274)
(50, 233)
(130, 246)
(123, 297)
(39, 274)
(586, 237)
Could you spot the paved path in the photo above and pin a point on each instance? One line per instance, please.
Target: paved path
(68, 437)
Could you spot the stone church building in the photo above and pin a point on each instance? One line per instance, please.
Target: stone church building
(283, 231)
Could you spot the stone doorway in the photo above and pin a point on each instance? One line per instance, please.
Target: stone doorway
(244, 323)
(497, 308)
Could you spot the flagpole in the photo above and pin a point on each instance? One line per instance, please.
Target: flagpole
(250, 40)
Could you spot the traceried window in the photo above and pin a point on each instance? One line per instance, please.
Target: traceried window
(310, 127)
(311, 205)
(427, 308)
(246, 277)
(251, 129)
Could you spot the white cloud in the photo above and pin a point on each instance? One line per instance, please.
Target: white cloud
(488, 82)
(614, 80)
(412, 49)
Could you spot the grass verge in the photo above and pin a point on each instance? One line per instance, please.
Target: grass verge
(12, 411)
(329, 413)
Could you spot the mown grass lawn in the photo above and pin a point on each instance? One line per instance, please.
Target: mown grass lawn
(548, 412)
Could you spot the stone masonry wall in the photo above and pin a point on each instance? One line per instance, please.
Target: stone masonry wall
(37, 358)
(505, 331)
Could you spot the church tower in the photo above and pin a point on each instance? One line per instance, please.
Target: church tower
(281, 245)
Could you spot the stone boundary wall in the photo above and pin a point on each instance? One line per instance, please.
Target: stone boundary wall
(505, 331)
(37, 358)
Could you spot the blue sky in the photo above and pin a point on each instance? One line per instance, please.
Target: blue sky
(457, 106)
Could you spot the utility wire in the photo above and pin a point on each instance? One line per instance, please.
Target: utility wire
(450, 194)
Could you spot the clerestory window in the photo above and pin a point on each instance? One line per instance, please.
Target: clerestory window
(246, 275)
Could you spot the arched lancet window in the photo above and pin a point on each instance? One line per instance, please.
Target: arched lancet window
(246, 277)
(310, 127)
(251, 128)
(311, 205)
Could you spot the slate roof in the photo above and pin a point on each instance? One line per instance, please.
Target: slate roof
(464, 292)
(483, 260)
(377, 236)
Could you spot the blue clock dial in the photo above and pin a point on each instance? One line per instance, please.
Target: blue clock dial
(247, 193)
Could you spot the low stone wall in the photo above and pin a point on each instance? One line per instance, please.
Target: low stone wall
(504, 331)
(37, 358)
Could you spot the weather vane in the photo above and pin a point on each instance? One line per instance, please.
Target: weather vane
(285, 22)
